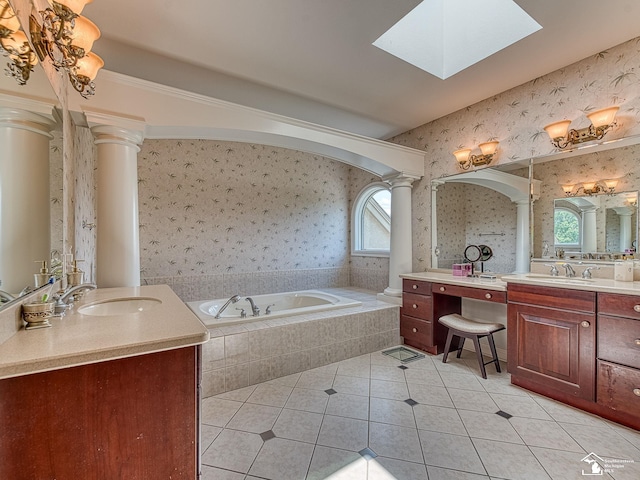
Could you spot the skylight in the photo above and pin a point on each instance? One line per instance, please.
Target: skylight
(443, 37)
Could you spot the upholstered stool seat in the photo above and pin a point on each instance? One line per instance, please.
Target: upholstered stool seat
(462, 328)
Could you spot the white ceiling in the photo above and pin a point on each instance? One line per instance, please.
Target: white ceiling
(314, 59)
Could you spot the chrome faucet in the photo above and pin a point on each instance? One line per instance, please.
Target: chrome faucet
(7, 297)
(569, 271)
(254, 308)
(587, 271)
(554, 269)
(75, 290)
(234, 299)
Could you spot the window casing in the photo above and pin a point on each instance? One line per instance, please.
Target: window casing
(371, 221)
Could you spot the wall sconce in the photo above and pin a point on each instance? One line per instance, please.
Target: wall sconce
(465, 159)
(601, 122)
(591, 188)
(66, 38)
(14, 44)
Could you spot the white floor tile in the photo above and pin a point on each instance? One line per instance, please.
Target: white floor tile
(282, 459)
(489, 426)
(298, 425)
(543, 433)
(233, 450)
(336, 464)
(351, 385)
(397, 442)
(344, 433)
(438, 419)
(509, 460)
(307, 400)
(270, 394)
(383, 468)
(391, 390)
(254, 418)
(218, 412)
(352, 406)
(395, 412)
(455, 452)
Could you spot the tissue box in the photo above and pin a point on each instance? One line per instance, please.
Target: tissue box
(461, 269)
(623, 271)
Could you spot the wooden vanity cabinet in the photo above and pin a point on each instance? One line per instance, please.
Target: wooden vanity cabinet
(552, 341)
(619, 356)
(130, 418)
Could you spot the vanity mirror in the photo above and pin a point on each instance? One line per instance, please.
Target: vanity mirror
(31, 184)
(602, 225)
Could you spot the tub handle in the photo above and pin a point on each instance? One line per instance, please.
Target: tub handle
(243, 314)
(268, 309)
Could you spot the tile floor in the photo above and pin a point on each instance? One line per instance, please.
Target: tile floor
(366, 418)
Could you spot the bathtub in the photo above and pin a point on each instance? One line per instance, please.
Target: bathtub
(281, 305)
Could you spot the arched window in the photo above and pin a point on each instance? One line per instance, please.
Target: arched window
(566, 227)
(371, 221)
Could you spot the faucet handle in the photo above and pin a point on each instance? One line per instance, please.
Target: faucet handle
(587, 271)
(268, 309)
(554, 269)
(243, 313)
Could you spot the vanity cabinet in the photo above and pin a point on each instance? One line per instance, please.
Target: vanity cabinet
(552, 340)
(619, 354)
(130, 418)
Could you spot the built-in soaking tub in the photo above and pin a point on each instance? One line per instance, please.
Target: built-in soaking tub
(278, 305)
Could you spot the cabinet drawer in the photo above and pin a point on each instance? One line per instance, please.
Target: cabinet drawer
(470, 292)
(619, 388)
(416, 286)
(551, 297)
(619, 340)
(418, 306)
(620, 305)
(416, 332)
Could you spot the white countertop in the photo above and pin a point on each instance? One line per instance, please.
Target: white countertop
(78, 339)
(443, 277)
(575, 283)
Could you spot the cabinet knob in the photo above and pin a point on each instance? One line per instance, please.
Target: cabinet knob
(585, 324)
(442, 289)
(487, 296)
(636, 308)
(414, 305)
(415, 287)
(415, 330)
(636, 392)
(637, 342)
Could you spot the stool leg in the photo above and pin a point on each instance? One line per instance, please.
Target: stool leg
(476, 344)
(492, 345)
(447, 345)
(460, 345)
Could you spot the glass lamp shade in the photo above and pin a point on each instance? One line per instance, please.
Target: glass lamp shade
(588, 186)
(558, 129)
(75, 6)
(604, 117)
(84, 33)
(89, 65)
(462, 155)
(17, 42)
(567, 188)
(611, 183)
(489, 148)
(9, 20)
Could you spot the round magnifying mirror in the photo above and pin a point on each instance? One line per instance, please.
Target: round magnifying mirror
(472, 253)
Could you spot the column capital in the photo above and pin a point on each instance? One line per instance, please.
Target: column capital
(11, 117)
(122, 130)
(400, 180)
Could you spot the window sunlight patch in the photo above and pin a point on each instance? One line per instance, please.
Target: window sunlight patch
(444, 37)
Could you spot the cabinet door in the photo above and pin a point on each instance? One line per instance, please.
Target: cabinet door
(553, 348)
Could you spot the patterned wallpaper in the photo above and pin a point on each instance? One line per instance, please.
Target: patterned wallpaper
(620, 163)
(516, 118)
(211, 207)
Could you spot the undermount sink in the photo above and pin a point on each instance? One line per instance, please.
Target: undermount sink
(552, 279)
(120, 306)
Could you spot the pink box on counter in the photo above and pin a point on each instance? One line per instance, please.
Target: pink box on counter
(461, 269)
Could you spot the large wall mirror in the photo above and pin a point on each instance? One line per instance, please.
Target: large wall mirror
(575, 219)
(24, 181)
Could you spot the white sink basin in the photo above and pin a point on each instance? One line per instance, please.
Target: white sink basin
(120, 306)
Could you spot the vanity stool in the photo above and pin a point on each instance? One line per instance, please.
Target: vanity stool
(464, 328)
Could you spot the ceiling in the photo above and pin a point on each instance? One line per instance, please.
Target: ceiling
(314, 59)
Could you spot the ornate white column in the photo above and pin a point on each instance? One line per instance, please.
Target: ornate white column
(25, 228)
(118, 241)
(523, 249)
(624, 213)
(589, 231)
(400, 257)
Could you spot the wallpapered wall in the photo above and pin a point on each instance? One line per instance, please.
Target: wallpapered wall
(619, 163)
(516, 118)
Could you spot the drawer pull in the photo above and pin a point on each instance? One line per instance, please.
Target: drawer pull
(638, 342)
(585, 324)
(415, 306)
(636, 308)
(442, 289)
(487, 296)
(415, 287)
(636, 392)
(415, 330)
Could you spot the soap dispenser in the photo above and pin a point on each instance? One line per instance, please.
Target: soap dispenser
(42, 278)
(76, 276)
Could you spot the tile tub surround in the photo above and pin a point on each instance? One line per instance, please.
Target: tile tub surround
(241, 355)
(350, 420)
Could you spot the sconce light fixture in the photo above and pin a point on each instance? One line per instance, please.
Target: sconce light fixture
(601, 121)
(14, 44)
(591, 188)
(66, 38)
(465, 159)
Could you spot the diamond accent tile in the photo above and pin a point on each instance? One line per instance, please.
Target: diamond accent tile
(411, 402)
(368, 454)
(268, 435)
(330, 391)
(403, 367)
(504, 414)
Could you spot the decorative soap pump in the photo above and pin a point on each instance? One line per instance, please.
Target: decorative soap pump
(42, 278)
(76, 276)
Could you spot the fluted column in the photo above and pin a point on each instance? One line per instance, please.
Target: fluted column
(25, 227)
(400, 257)
(118, 240)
